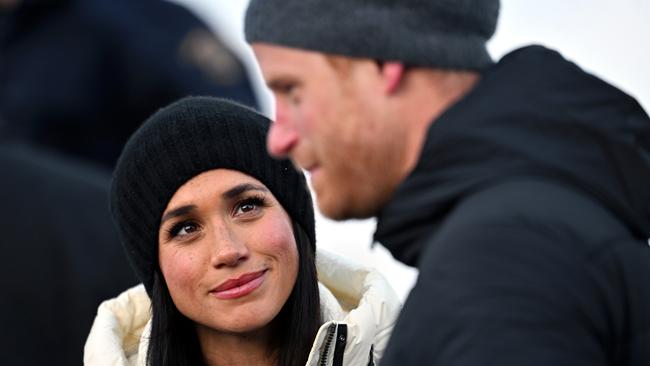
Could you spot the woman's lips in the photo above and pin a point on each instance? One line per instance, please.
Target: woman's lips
(240, 286)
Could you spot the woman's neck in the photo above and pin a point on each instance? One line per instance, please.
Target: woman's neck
(230, 349)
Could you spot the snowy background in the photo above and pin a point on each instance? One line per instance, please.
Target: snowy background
(608, 38)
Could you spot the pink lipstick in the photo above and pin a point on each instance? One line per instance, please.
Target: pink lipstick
(241, 286)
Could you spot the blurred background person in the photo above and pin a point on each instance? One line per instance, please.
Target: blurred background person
(61, 255)
(76, 79)
(79, 76)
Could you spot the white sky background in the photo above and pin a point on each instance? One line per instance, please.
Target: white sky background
(608, 38)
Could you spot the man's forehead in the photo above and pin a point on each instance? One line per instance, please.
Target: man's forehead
(275, 60)
(266, 50)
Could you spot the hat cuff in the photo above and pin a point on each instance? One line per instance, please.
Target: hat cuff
(447, 47)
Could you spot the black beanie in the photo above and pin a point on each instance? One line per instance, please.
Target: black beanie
(449, 34)
(179, 142)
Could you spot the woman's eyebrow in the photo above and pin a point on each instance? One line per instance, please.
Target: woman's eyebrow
(180, 211)
(241, 188)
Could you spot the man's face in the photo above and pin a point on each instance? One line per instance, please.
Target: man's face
(332, 120)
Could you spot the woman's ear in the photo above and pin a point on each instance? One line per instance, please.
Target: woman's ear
(392, 74)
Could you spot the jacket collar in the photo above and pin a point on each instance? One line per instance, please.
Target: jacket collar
(534, 114)
(351, 295)
(359, 298)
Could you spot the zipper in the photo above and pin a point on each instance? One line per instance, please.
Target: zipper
(329, 337)
(337, 334)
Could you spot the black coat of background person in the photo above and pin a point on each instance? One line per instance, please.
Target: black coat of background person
(80, 76)
(60, 256)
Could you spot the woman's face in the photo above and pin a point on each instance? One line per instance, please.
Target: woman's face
(227, 252)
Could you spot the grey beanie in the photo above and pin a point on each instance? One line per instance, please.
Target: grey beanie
(448, 34)
(179, 142)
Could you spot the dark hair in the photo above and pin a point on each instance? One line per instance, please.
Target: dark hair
(174, 339)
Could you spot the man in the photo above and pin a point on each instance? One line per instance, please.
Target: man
(520, 189)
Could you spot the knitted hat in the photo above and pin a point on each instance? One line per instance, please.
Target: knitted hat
(181, 141)
(447, 34)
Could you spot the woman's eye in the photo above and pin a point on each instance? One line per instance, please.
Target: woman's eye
(183, 229)
(187, 229)
(248, 206)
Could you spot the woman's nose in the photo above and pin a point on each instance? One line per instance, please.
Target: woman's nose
(229, 250)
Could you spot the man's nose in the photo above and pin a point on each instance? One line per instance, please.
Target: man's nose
(282, 136)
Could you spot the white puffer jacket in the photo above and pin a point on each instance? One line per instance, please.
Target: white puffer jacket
(359, 309)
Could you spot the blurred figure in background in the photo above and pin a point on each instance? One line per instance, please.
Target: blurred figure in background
(79, 76)
(60, 256)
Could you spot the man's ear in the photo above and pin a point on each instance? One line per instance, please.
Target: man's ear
(393, 75)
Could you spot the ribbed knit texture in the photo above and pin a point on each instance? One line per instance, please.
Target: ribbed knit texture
(177, 143)
(447, 34)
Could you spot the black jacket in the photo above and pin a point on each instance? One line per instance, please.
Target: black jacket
(61, 256)
(528, 215)
(80, 76)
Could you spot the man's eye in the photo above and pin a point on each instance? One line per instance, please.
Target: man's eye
(288, 88)
(283, 88)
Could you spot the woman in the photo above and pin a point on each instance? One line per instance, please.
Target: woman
(222, 238)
